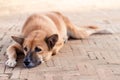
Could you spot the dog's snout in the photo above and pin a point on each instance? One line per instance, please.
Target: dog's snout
(27, 62)
(30, 63)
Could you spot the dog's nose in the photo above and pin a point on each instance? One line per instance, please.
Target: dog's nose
(27, 62)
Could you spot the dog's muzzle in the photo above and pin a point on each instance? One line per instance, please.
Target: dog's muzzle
(30, 62)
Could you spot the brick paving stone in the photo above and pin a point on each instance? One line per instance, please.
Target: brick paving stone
(15, 73)
(50, 63)
(64, 62)
(76, 53)
(3, 58)
(91, 55)
(66, 48)
(4, 76)
(8, 70)
(2, 68)
(32, 76)
(114, 58)
(70, 68)
(105, 55)
(83, 51)
(5, 41)
(56, 61)
(116, 71)
(98, 55)
(106, 74)
(62, 54)
(48, 77)
(24, 73)
(57, 78)
(86, 69)
(117, 77)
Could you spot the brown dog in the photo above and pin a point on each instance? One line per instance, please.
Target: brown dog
(43, 35)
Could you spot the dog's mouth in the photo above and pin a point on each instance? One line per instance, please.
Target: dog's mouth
(31, 60)
(31, 64)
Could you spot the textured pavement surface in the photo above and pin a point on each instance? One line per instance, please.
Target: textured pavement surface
(95, 58)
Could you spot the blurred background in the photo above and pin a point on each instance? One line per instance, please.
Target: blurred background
(10, 7)
(104, 13)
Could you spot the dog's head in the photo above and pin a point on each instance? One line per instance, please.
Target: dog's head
(37, 46)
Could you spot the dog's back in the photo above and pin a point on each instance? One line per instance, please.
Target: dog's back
(51, 23)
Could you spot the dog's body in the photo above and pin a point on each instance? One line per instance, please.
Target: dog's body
(43, 35)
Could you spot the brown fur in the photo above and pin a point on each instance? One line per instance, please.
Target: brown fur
(48, 32)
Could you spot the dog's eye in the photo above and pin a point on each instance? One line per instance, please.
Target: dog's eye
(25, 48)
(37, 49)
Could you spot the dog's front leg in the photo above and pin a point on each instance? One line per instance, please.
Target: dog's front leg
(12, 55)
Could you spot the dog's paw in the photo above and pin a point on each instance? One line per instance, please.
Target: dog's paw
(11, 63)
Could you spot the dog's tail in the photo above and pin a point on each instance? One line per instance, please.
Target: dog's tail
(97, 30)
(83, 32)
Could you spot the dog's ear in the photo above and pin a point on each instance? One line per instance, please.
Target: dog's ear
(51, 41)
(18, 39)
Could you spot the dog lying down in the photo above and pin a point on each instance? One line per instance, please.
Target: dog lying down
(43, 35)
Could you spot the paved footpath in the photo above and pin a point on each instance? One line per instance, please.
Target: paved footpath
(95, 58)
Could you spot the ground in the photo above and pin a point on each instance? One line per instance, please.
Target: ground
(95, 58)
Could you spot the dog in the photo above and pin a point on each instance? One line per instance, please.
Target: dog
(43, 35)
